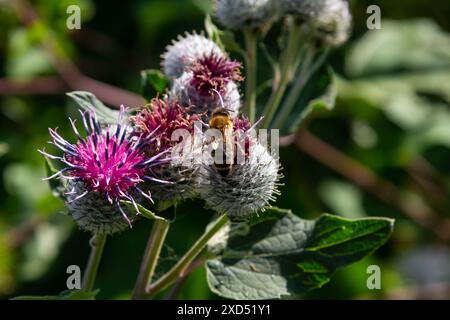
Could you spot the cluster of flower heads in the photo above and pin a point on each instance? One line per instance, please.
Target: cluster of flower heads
(113, 169)
(210, 81)
(330, 20)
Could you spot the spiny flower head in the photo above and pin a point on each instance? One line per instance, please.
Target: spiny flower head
(238, 14)
(157, 122)
(330, 20)
(335, 23)
(107, 164)
(94, 213)
(210, 80)
(242, 123)
(303, 9)
(242, 128)
(212, 73)
(183, 52)
(198, 103)
(248, 188)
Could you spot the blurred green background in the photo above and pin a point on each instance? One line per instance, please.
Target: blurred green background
(384, 150)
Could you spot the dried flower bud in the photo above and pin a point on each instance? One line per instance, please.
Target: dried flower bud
(102, 169)
(183, 52)
(248, 188)
(238, 14)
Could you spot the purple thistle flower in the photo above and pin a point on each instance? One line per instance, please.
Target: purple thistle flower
(106, 166)
(158, 121)
(242, 123)
(242, 131)
(214, 72)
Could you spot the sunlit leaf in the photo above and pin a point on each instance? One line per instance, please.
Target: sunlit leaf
(289, 256)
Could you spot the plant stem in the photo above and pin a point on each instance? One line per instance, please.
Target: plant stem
(304, 75)
(178, 271)
(151, 256)
(287, 63)
(97, 245)
(251, 76)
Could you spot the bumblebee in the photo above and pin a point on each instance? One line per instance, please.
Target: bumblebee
(221, 120)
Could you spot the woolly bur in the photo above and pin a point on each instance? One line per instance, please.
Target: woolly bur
(239, 14)
(186, 50)
(251, 183)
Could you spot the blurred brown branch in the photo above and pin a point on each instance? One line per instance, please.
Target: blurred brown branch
(68, 71)
(411, 206)
(39, 85)
(428, 180)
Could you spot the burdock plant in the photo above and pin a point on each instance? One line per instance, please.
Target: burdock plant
(205, 138)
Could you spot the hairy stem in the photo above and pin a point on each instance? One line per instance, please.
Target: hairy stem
(178, 271)
(151, 256)
(290, 54)
(251, 59)
(97, 245)
(308, 69)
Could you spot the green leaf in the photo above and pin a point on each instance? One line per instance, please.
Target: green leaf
(65, 295)
(413, 45)
(4, 148)
(397, 71)
(271, 213)
(289, 256)
(26, 59)
(146, 213)
(152, 82)
(212, 30)
(230, 43)
(56, 185)
(319, 94)
(89, 102)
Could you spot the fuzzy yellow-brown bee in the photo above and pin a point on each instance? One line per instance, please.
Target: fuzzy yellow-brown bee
(221, 120)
